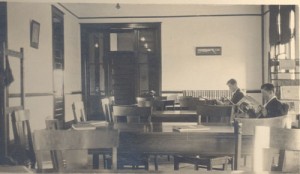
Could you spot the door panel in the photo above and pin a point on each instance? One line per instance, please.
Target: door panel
(123, 70)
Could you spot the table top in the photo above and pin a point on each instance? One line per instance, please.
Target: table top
(14, 169)
(175, 113)
(164, 127)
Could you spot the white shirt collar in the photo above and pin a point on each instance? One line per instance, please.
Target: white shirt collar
(269, 101)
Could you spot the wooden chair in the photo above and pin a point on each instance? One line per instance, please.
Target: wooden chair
(106, 107)
(249, 125)
(144, 102)
(216, 113)
(132, 114)
(23, 149)
(56, 156)
(78, 111)
(273, 138)
(185, 102)
(209, 161)
(62, 140)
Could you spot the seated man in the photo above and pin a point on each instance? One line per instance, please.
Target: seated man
(273, 107)
(237, 94)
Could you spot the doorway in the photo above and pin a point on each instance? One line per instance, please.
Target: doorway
(120, 60)
(58, 65)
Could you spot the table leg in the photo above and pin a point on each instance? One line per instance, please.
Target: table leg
(95, 161)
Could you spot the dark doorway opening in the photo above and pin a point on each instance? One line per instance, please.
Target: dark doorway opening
(121, 60)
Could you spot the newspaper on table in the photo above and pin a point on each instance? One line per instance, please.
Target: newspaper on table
(250, 106)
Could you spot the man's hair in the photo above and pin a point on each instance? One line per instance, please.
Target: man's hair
(267, 87)
(232, 82)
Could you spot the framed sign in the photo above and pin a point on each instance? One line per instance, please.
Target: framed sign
(34, 34)
(208, 51)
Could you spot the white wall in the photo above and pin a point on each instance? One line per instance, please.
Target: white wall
(38, 63)
(239, 37)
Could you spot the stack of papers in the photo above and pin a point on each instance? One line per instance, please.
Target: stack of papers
(97, 123)
(196, 128)
(83, 126)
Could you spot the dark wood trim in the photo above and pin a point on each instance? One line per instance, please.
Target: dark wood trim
(44, 94)
(89, 27)
(253, 91)
(58, 41)
(74, 93)
(263, 43)
(16, 95)
(3, 120)
(176, 16)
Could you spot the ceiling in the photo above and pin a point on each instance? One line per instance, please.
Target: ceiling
(107, 10)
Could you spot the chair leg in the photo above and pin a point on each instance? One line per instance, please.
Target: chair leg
(104, 161)
(245, 160)
(209, 166)
(95, 161)
(225, 166)
(196, 167)
(168, 157)
(155, 163)
(147, 165)
(176, 163)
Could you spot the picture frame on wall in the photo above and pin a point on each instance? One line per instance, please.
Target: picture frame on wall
(209, 51)
(34, 34)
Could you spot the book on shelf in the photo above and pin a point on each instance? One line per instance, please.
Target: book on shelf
(192, 128)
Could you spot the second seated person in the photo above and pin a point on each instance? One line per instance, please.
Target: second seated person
(236, 96)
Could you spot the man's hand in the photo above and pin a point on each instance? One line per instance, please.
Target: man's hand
(263, 111)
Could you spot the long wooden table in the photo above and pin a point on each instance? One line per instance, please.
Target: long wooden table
(174, 116)
(153, 139)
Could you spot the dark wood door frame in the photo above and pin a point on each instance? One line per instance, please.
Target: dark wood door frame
(58, 62)
(3, 39)
(107, 28)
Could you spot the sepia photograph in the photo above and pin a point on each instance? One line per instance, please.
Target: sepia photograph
(150, 86)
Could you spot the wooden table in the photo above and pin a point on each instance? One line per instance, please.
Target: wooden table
(14, 169)
(175, 116)
(161, 104)
(159, 139)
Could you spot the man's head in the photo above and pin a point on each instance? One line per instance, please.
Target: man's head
(232, 85)
(267, 90)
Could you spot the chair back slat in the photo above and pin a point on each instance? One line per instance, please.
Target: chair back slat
(56, 156)
(79, 111)
(249, 124)
(216, 113)
(106, 107)
(21, 128)
(22, 134)
(132, 113)
(52, 124)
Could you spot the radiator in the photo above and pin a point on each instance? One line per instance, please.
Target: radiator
(209, 94)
